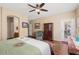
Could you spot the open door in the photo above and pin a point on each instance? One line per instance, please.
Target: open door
(10, 27)
(48, 31)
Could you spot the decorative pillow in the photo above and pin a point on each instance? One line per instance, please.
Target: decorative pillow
(19, 44)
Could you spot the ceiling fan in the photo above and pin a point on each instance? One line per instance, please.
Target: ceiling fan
(38, 8)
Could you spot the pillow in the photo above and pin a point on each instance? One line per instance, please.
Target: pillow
(77, 38)
(20, 44)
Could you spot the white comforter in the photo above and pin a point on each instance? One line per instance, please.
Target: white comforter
(42, 46)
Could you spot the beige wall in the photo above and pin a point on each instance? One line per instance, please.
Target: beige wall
(58, 22)
(77, 20)
(6, 12)
(0, 23)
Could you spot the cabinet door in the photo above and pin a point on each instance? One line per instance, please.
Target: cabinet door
(48, 31)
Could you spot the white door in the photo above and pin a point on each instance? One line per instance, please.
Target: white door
(16, 24)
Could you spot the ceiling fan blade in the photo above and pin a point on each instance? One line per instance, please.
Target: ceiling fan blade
(31, 6)
(43, 10)
(32, 10)
(37, 5)
(42, 5)
(38, 13)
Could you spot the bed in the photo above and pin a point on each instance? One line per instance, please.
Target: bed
(24, 46)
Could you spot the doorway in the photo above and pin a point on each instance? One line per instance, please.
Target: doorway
(10, 27)
(48, 30)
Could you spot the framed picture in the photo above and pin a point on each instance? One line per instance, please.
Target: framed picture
(67, 29)
(24, 25)
(37, 25)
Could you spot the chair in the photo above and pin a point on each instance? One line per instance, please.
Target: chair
(39, 35)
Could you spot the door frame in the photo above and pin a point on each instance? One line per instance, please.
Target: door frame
(13, 20)
(8, 26)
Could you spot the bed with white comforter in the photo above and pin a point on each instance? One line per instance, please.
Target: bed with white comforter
(24, 46)
(42, 46)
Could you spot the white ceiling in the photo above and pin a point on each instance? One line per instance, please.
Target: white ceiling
(53, 9)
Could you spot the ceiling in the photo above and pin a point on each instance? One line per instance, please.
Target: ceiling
(53, 9)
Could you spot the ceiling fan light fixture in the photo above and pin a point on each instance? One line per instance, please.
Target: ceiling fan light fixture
(37, 10)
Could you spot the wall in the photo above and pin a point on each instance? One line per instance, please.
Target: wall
(58, 21)
(0, 23)
(6, 12)
(77, 20)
